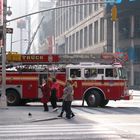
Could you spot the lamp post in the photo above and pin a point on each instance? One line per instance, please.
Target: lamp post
(16, 41)
(3, 99)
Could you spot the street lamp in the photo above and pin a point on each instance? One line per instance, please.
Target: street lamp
(16, 41)
(3, 99)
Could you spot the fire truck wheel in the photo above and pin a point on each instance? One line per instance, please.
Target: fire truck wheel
(13, 97)
(104, 103)
(93, 99)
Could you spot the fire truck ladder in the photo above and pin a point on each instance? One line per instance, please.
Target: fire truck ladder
(52, 58)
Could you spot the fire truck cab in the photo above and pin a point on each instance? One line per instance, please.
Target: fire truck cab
(98, 83)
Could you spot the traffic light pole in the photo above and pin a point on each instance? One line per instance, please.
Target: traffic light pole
(114, 18)
(3, 99)
(114, 36)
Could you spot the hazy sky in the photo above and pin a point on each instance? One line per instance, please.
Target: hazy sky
(19, 8)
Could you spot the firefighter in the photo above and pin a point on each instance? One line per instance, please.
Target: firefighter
(45, 94)
(54, 94)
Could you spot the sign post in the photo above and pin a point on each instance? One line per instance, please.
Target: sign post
(3, 99)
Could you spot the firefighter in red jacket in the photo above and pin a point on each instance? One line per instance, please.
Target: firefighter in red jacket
(54, 94)
(45, 94)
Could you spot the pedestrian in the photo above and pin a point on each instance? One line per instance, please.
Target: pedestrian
(63, 106)
(67, 100)
(54, 94)
(45, 94)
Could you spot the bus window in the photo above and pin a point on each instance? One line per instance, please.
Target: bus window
(75, 73)
(109, 73)
(89, 73)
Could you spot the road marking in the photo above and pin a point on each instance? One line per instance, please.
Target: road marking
(59, 131)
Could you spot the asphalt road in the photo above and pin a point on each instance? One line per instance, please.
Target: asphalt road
(119, 120)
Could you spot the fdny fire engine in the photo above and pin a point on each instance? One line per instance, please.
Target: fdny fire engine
(95, 83)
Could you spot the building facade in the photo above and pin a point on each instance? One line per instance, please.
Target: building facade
(88, 28)
(81, 28)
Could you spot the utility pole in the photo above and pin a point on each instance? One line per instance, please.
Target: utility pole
(3, 99)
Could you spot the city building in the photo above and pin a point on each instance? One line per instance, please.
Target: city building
(81, 28)
(46, 30)
(88, 28)
(127, 36)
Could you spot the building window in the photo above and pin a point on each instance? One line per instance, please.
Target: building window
(137, 27)
(81, 39)
(85, 9)
(124, 28)
(81, 10)
(77, 41)
(66, 19)
(101, 29)
(70, 44)
(77, 12)
(137, 53)
(96, 32)
(102, 4)
(85, 37)
(73, 15)
(96, 5)
(137, 78)
(73, 42)
(70, 17)
(66, 49)
(90, 7)
(90, 34)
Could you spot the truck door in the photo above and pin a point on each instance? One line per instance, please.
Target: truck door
(29, 85)
(112, 83)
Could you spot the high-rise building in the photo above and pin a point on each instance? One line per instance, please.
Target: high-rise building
(81, 28)
(127, 36)
(88, 28)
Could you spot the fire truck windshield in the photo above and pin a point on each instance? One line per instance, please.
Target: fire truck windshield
(122, 73)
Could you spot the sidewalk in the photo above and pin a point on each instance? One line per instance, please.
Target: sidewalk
(20, 114)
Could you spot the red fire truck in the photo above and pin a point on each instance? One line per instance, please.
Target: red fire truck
(94, 83)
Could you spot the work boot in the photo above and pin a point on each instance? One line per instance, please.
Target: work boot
(72, 115)
(60, 115)
(68, 117)
(46, 107)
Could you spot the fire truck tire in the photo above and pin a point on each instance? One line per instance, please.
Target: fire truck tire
(13, 98)
(93, 98)
(104, 103)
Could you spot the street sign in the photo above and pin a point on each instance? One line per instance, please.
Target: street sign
(9, 30)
